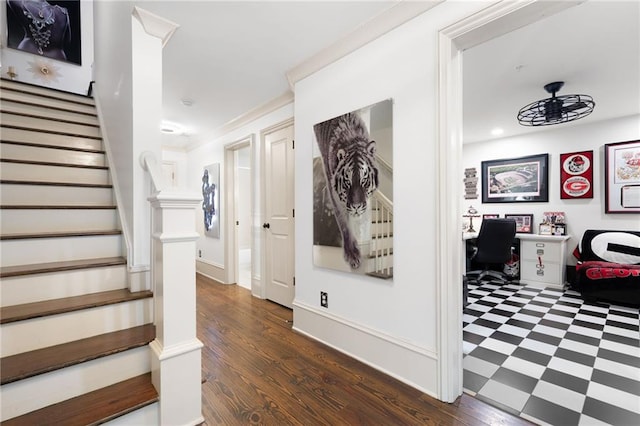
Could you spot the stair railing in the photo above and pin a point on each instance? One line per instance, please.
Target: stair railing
(176, 351)
(381, 250)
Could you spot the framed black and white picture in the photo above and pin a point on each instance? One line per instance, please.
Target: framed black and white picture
(211, 200)
(48, 28)
(514, 180)
(524, 222)
(353, 192)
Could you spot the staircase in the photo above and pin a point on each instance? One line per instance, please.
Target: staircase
(74, 339)
(380, 257)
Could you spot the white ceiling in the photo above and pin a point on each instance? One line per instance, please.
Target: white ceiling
(229, 57)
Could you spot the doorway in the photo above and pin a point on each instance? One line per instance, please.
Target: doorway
(239, 193)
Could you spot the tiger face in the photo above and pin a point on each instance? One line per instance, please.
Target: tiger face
(355, 176)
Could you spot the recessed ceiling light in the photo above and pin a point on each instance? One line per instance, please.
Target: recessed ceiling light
(497, 131)
(170, 127)
(187, 102)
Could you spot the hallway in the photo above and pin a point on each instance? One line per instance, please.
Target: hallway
(257, 371)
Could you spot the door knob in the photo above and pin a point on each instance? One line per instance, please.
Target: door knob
(266, 225)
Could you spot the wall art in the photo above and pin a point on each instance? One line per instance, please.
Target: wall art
(515, 180)
(622, 177)
(576, 175)
(211, 200)
(524, 222)
(45, 28)
(353, 191)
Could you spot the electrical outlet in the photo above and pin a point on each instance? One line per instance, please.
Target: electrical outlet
(324, 299)
(199, 253)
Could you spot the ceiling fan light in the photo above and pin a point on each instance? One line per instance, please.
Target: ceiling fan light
(556, 109)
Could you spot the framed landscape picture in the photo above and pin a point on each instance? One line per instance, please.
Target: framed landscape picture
(513, 180)
(622, 177)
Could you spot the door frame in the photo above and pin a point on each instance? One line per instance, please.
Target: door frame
(498, 19)
(230, 234)
(262, 290)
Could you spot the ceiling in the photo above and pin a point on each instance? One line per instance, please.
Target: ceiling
(229, 57)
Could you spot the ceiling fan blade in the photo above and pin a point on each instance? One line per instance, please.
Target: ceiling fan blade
(575, 106)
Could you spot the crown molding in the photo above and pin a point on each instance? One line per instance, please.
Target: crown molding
(155, 25)
(377, 26)
(246, 118)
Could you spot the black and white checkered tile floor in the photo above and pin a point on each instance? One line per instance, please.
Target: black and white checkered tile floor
(549, 357)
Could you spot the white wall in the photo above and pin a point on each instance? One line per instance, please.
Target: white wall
(581, 214)
(212, 249)
(179, 158)
(390, 324)
(71, 77)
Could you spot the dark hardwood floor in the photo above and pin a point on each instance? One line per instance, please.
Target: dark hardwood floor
(256, 370)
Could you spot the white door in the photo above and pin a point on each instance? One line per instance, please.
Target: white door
(278, 226)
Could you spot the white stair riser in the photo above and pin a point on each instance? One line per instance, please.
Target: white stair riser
(21, 221)
(52, 155)
(6, 84)
(43, 250)
(56, 285)
(49, 125)
(381, 228)
(36, 392)
(49, 103)
(37, 333)
(38, 173)
(147, 415)
(47, 112)
(17, 195)
(28, 136)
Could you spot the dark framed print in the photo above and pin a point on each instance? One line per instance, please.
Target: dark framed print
(622, 177)
(514, 180)
(48, 28)
(524, 222)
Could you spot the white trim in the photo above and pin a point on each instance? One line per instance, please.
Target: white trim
(491, 22)
(175, 237)
(377, 26)
(381, 351)
(155, 25)
(211, 270)
(168, 352)
(246, 118)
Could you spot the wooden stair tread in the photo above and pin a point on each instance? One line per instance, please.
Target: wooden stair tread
(29, 364)
(66, 234)
(44, 183)
(51, 163)
(59, 207)
(49, 146)
(56, 108)
(45, 92)
(70, 265)
(53, 132)
(45, 117)
(94, 407)
(68, 304)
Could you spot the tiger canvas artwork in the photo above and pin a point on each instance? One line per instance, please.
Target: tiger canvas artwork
(345, 177)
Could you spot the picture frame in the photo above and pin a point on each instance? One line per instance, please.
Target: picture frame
(524, 222)
(516, 180)
(490, 216)
(622, 177)
(560, 229)
(545, 229)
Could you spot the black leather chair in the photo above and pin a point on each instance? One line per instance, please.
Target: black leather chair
(493, 246)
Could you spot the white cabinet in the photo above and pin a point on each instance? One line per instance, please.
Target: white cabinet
(543, 259)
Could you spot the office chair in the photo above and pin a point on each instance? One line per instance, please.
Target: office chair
(493, 246)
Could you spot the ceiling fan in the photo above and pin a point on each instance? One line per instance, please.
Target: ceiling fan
(556, 109)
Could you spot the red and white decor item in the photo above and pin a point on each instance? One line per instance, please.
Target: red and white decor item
(576, 175)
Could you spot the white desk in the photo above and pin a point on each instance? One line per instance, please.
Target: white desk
(543, 258)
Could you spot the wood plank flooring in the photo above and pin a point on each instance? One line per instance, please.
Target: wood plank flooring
(256, 370)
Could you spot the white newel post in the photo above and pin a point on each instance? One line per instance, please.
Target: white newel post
(176, 351)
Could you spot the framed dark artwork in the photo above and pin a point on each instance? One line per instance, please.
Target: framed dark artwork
(45, 28)
(524, 222)
(353, 191)
(576, 175)
(211, 200)
(514, 180)
(622, 177)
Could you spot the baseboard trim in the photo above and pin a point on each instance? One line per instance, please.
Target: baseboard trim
(413, 365)
(210, 270)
